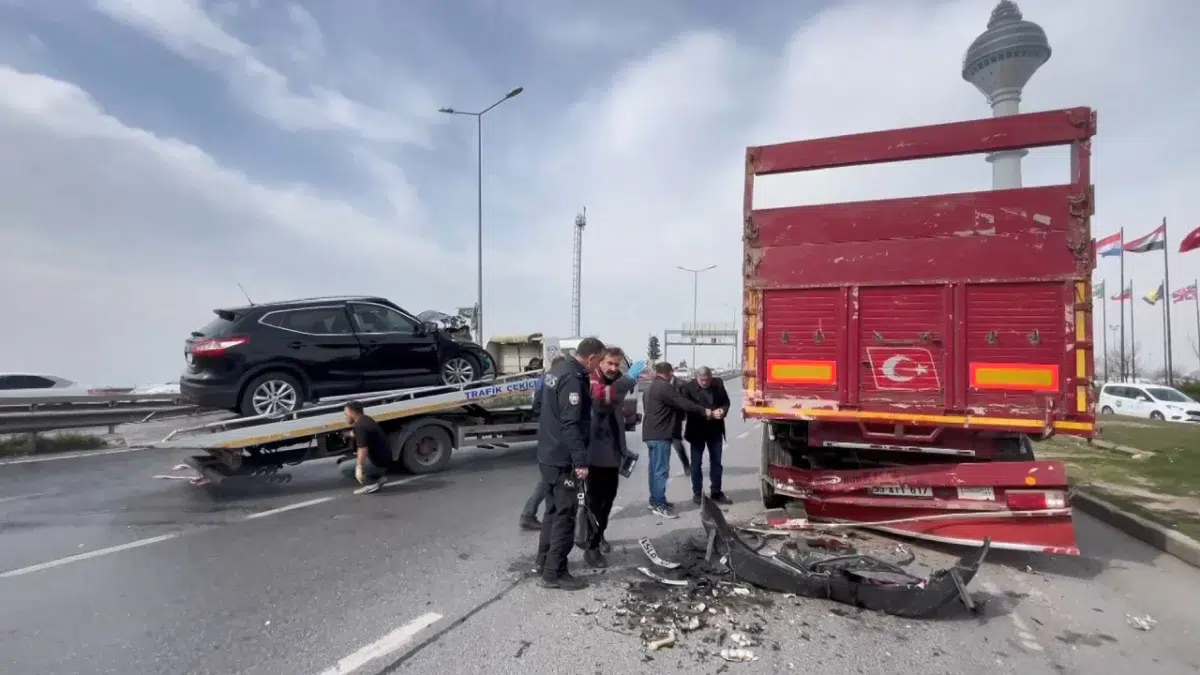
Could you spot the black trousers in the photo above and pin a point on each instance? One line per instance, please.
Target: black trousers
(602, 482)
(558, 524)
(677, 443)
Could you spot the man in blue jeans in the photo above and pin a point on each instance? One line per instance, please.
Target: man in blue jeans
(707, 433)
(662, 404)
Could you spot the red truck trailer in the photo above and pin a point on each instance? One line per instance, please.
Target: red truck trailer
(902, 352)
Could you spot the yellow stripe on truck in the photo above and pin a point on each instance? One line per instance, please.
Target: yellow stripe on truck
(870, 416)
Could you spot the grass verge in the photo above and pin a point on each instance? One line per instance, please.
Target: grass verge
(1161, 485)
(19, 444)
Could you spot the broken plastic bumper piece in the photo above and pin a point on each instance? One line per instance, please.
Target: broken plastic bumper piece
(852, 580)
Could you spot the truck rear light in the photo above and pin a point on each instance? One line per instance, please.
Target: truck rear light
(1035, 500)
(218, 346)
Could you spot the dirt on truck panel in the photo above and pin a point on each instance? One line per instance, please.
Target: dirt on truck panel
(897, 346)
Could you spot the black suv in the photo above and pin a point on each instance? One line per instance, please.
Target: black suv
(270, 359)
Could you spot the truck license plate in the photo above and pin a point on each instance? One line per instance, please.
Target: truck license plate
(977, 494)
(902, 491)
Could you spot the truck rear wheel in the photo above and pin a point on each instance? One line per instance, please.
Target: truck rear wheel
(772, 453)
(426, 449)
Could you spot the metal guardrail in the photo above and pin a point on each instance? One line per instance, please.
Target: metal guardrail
(33, 414)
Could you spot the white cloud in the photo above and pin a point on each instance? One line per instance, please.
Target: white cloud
(654, 150)
(184, 27)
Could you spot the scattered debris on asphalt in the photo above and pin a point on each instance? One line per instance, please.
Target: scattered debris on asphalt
(709, 595)
(1145, 623)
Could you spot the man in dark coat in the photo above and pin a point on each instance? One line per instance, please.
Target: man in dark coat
(529, 520)
(707, 432)
(663, 403)
(607, 447)
(564, 431)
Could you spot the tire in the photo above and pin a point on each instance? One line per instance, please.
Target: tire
(460, 369)
(1155, 415)
(427, 449)
(1106, 410)
(770, 453)
(268, 394)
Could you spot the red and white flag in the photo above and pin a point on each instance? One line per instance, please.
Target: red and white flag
(1155, 241)
(903, 369)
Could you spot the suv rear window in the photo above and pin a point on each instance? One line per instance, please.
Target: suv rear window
(219, 326)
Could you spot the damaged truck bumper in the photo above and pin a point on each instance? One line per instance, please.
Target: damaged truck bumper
(853, 580)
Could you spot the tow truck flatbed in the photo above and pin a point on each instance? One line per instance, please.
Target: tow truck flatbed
(424, 425)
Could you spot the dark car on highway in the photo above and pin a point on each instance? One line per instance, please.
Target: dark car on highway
(272, 358)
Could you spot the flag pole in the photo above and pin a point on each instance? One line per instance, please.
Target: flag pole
(1132, 334)
(1196, 304)
(1104, 326)
(1124, 371)
(1166, 344)
(1167, 306)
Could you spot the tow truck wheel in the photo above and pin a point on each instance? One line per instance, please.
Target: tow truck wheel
(426, 450)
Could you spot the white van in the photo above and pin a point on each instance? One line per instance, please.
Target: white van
(1152, 401)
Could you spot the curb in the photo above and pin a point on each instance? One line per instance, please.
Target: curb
(1159, 536)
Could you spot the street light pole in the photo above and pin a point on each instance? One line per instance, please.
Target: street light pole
(695, 305)
(479, 205)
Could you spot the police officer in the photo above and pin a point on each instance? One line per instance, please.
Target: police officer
(563, 431)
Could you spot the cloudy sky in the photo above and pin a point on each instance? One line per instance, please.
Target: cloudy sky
(157, 152)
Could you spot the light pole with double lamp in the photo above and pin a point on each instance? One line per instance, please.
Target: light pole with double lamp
(479, 188)
(695, 304)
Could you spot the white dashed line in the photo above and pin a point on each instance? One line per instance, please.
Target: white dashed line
(165, 537)
(1025, 635)
(290, 507)
(68, 455)
(615, 510)
(388, 644)
(89, 555)
(743, 434)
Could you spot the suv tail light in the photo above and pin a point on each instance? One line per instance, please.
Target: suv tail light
(1035, 500)
(218, 346)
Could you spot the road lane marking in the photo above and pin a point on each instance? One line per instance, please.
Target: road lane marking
(165, 537)
(291, 507)
(90, 554)
(743, 434)
(1028, 641)
(69, 455)
(388, 644)
(14, 498)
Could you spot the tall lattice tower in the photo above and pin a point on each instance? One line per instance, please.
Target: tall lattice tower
(577, 271)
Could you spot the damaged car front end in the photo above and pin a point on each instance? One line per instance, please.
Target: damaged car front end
(859, 580)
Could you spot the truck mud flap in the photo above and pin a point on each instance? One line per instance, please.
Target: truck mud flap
(890, 592)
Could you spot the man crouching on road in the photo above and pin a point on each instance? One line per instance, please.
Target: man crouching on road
(564, 429)
(373, 450)
(607, 447)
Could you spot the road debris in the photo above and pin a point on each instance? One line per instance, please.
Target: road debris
(854, 579)
(1143, 623)
(652, 554)
(667, 641)
(738, 655)
(673, 582)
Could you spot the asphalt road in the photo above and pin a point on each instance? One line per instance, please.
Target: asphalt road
(104, 569)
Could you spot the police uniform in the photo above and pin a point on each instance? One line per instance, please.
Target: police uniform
(563, 431)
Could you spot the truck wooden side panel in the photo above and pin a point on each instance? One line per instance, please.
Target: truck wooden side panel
(968, 309)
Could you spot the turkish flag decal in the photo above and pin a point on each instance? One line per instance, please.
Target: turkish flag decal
(903, 369)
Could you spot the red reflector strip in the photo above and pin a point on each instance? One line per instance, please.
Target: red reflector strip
(1014, 376)
(789, 371)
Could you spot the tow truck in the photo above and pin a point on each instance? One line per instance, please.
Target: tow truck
(901, 353)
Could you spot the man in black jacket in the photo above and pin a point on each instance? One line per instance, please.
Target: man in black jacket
(662, 403)
(607, 447)
(529, 520)
(707, 432)
(564, 429)
(677, 432)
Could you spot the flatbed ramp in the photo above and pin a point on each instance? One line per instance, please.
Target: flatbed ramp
(424, 425)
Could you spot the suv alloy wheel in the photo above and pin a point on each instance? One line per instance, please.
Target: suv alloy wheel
(459, 370)
(271, 394)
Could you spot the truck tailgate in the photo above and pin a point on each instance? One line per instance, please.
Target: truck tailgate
(969, 309)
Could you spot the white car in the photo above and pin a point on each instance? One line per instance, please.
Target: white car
(1152, 401)
(29, 385)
